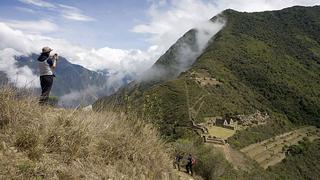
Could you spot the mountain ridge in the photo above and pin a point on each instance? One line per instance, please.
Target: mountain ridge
(254, 57)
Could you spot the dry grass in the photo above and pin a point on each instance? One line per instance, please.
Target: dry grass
(39, 142)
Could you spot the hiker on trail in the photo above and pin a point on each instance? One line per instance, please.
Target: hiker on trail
(177, 161)
(47, 64)
(190, 162)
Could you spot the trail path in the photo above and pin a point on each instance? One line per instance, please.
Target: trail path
(191, 106)
(235, 157)
(184, 176)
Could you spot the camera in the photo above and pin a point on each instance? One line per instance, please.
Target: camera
(55, 56)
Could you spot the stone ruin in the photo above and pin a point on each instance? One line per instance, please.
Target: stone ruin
(254, 119)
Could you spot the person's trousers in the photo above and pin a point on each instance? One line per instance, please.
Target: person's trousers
(46, 82)
(189, 169)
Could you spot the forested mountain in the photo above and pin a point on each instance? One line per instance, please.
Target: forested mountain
(267, 61)
(264, 61)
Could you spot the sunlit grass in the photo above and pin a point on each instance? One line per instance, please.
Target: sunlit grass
(42, 142)
(220, 132)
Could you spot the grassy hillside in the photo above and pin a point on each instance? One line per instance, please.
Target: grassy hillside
(267, 61)
(275, 56)
(39, 142)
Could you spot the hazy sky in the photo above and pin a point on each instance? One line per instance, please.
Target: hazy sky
(119, 35)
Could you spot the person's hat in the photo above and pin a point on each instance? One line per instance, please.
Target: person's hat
(46, 50)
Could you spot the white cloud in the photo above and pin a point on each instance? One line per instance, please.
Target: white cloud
(41, 26)
(73, 13)
(132, 60)
(80, 97)
(186, 51)
(170, 19)
(65, 11)
(117, 60)
(20, 76)
(39, 3)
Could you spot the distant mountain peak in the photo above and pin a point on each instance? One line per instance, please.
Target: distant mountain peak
(74, 84)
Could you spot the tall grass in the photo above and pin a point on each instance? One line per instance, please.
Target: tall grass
(47, 143)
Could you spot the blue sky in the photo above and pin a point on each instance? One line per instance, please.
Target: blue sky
(111, 25)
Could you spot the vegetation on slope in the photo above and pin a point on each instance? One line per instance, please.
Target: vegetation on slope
(267, 61)
(302, 162)
(42, 142)
(275, 55)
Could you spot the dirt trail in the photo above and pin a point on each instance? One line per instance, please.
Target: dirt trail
(184, 176)
(236, 158)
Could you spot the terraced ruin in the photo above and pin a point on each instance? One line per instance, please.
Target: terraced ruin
(271, 151)
(213, 134)
(217, 129)
(204, 79)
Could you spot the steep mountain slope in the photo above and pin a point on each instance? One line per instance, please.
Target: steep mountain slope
(170, 65)
(267, 61)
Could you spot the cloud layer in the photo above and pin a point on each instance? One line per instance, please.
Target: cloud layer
(20, 76)
(16, 43)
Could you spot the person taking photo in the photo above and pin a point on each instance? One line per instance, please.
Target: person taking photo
(46, 64)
